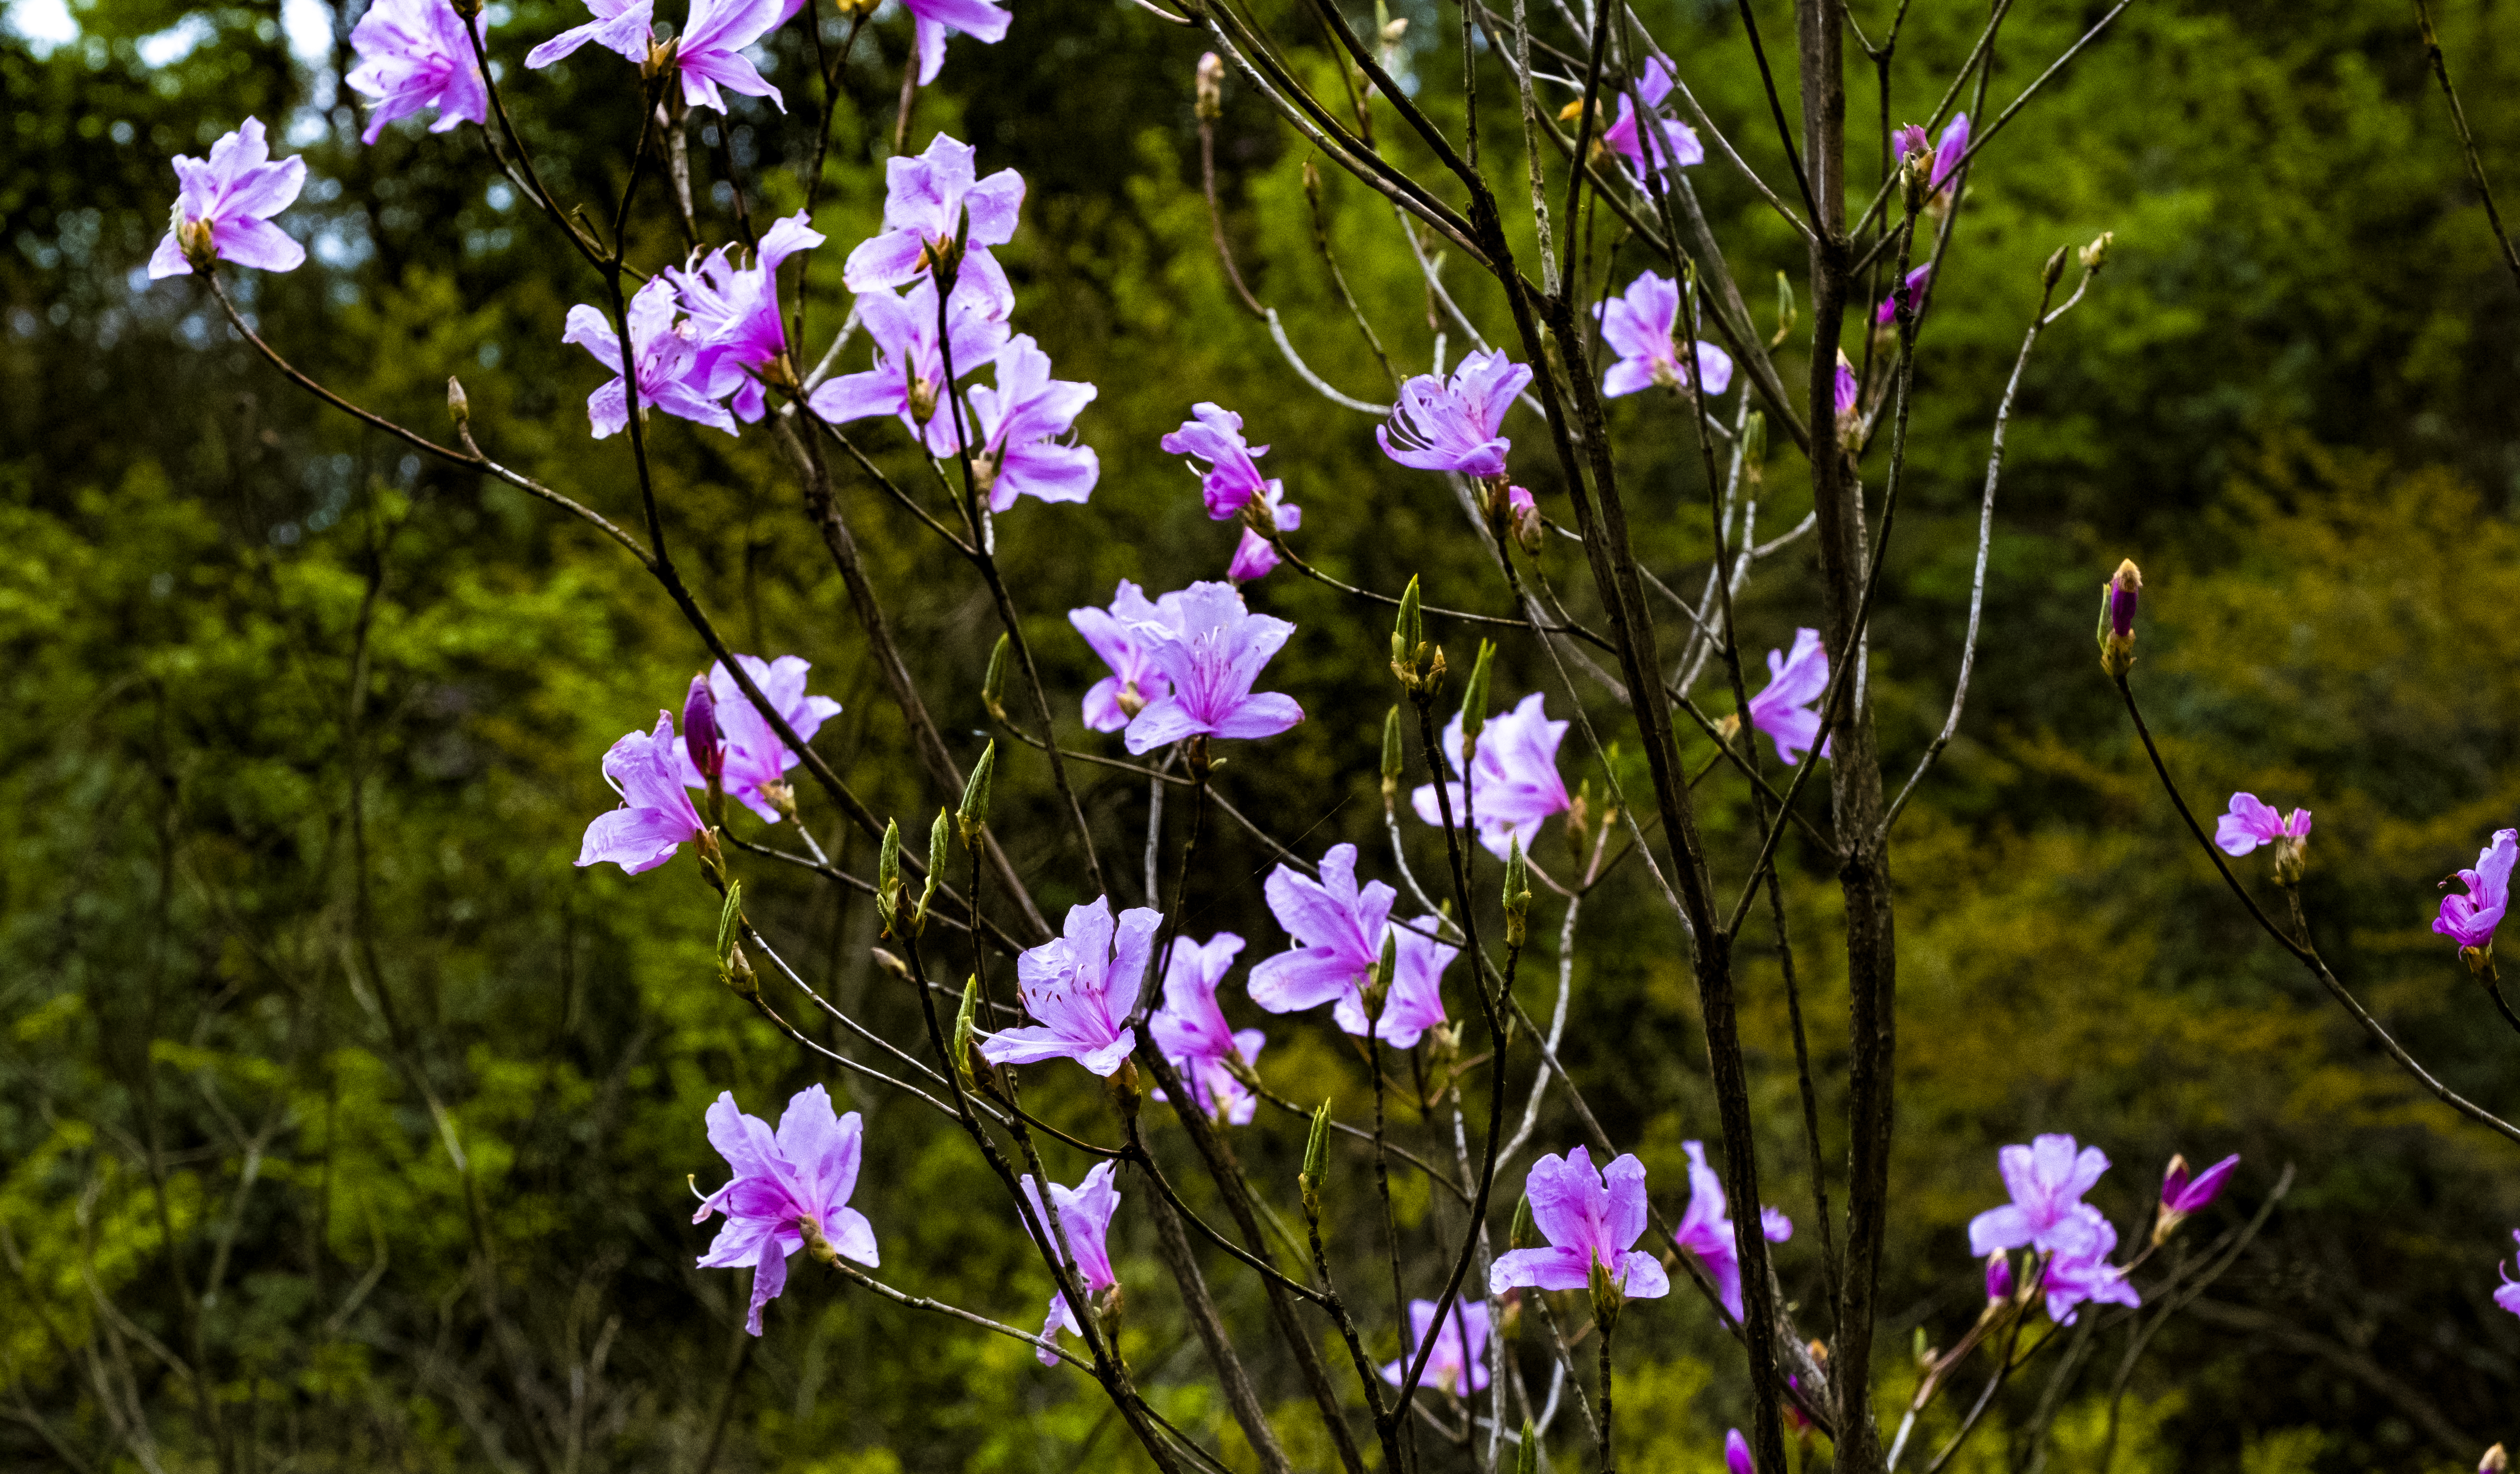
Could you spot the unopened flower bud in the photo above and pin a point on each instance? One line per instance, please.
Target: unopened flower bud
(1211, 88)
(1517, 894)
(2495, 1461)
(1526, 1453)
(993, 684)
(2117, 617)
(923, 400)
(1391, 757)
(1316, 1160)
(1522, 515)
(2097, 254)
(1999, 1277)
(1475, 703)
(1377, 983)
(887, 875)
(968, 1063)
(973, 816)
(2054, 271)
(458, 408)
(937, 854)
(700, 736)
(1125, 1090)
(738, 975)
(1107, 1303)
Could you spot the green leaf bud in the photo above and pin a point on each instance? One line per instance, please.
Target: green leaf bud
(973, 816)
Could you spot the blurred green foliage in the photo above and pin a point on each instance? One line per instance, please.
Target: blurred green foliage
(344, 1124)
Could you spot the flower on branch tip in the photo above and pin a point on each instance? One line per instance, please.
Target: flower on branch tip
(1998, 1278)
(1230, 477)
(656, 817)
(710, 51)
(2083, 1273)
(1514, 778)
(755, 760)
(1016, 426)
(1337, 930)
(936, 20)
(1910, 293)
(624, 27)
(1135, 681)
(666, 356)
(1458, 1363)
(935, 208)
(1453, 427)
(2047, 1179)
(1642, 325)
(1081, 987)
(1672, 144)
(784, 1186)
(1192, 1031)
(908, 378)
(1737, 1453)
(1415, 1001)
(1588, 1218)
(704, 746)
(1847, 393)
(1787, 710)
(1255, 556)
(1706, 1232)
(1212, 649)
(1085, 1222)
(2469, 919)
(2183, 1194)
(415, 53)
(2251, 823)
(224, 206)
(2508, 1296)
(734, 312)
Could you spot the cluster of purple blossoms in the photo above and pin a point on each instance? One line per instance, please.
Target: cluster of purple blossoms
(415, 54)
(1588, 1218)
(223, 210)
(1669, 145)
(1184, 665)
(2047, 1216)
(1192, 1031)
(1785, 710)
(735, 314)
(707, 53)
(723, 735)
(1458, 1363)
(2469, 919)
(784, 1186)
(1440, 426)
(1706, 1234)
(1085, 1222)
(1338, 929)
(1514, 778)
(1642, 325)
(1230, 483)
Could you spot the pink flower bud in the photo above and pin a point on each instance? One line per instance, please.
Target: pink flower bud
(1999, 1277)
(700, 736)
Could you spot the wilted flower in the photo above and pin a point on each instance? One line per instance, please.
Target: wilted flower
(1085, 1221)
(936, 20)
(1082, 989)
(734, 311)
(1453, 427)
(908, 378)
(1212, 649)
(1135, 681)
(223, 210)
(1787, 710)
(1642, 325)
(1337, 930)
(2047, 1179)
(1192, 1031)
(756, 759)
(1588, 1218)
(1514, 777)
(1213, 434)
(624, 27)
(656, 816)
(1458, 1363)
(415, 53)
(936, 205)
(803, 1175)
(1676, 147)
(1017, 424)
(667, 359)
(1706, 1234)
(2470, 920)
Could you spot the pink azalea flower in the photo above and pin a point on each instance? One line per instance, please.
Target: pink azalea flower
(936, 20)
(1642, 325)
(1705, 1232)
(415, 53)
(1192, 1031)
(1018, 424)
(1913, 140)
(710, 51)
(225, 205)
(1085, 1221)
(1337, 932)
(1081, 990)
(2183, 1195)
(1214, 435)
(2082, 1275)
(2470, 920)
(931, 201)
(703, 745)
(1999, 1277)
(2508, 1296)
(1888, 311)
(2251, 823)
(1255, 556)
(908, 378)
(1515, 778)
(754, 759)
(1453, 427)
(1212, 649)
(624, 27)
(1848, 394)
(1737, 1453)
(2047, 1179)
(1135, 680)
(667, 358)
(1588, 1218)
(734, 311)
(1787, 710)
(807, 1171)
(656, 816)
(1678, 145)
(1415, 1002)
(1453, 1365)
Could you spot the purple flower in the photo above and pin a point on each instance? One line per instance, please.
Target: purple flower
(1114, 635)
(415, 53)
(1787, 710)
(1441, 426)
(908, 378)
(224, 208)
(1255, 556)
(1337, 932)
(1514, 777)
(624, 27)
(1018, 424)
(2083, 1273)
(1415, 1001)
(2251, 823)
(703, 745)
(1641, 326)
(1737, 1453)
(1081, 990)
(1678, 145)
(709, 52)
(2508, 1296)
(1910, 293)
(2470, 920)
(806, 1172)
(2047, 1179)
(1453, 1365)
(980, 19)
(1214, 434)
(1947, 155)
(734, 311)
(1192, 1031)
(1848, 394)
(2183, 1195)
(1705, 1232)
(668, 361)
(655, 816)
(1999, 1277)
(756, 759)
(1085, 1221)
(927, 203)
(1212, 649)
(1587, 1220)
